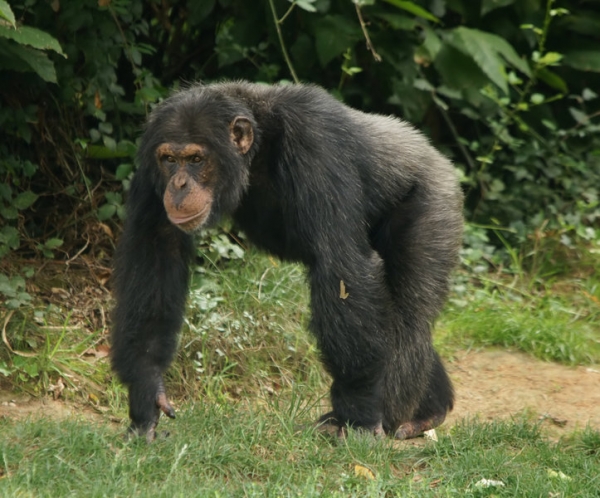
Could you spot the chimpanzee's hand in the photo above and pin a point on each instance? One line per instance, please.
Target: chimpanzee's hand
(146, 401)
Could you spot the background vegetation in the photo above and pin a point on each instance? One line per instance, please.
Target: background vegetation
(509, 89)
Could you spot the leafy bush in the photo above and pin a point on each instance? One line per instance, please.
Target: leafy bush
(505, 88)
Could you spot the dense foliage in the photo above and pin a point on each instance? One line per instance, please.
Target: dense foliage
(507, 88)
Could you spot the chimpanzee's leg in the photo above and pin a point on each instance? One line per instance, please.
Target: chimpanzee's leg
(419, 243)
(350, 318)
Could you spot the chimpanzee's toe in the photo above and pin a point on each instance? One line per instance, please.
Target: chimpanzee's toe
(416, 428)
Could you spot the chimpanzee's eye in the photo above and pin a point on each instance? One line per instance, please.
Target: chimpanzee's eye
(170, 159)
(197, 159)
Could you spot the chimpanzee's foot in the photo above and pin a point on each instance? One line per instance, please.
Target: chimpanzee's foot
(416, 428)
(328, 424)
(150, 434)
(148, 431)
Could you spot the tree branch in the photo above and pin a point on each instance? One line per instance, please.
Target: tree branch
(281, 42)
(363, 26)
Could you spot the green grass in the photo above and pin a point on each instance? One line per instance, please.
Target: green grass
(554, 320)
(246, 331)
(248, 378)
(252, 450)
(545, 333)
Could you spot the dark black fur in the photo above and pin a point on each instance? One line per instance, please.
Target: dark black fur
(358, 198)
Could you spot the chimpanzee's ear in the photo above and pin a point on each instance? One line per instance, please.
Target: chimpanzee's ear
(241, 133)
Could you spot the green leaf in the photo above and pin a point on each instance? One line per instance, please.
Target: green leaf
(32, 59)
(7, 13)
(413, 9)
(26, 35)
(9, 212)
(422, 84)
(95, 135)
(471, 43)
(513, 79)
(537, 98)
(5, 191)
(489, 5)
(333, 35)
(123, 171)
(584, 22)
(53, 243)
(136, 56)
(109, 142)
(439, 102)
(352, 70)
(31, 368)
(432, 43)
(29, 168)
(4, 369)
(306, 5)
(584, 60)
(588, 94)
(148, 95)
(580, 117)
(10, 237)
(550, 59)
(106, 128)
(458, 71)
(7, 286)
(485, 49)
(24, 199)
(507, 51)
(114, 197)
(398, 21)
(198, 11)
(553, 80)
(107, 211)
(102, 152)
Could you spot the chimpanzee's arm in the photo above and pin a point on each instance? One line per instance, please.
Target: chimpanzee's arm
(150, 286)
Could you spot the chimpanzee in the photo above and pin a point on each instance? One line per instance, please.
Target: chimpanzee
(363, 200)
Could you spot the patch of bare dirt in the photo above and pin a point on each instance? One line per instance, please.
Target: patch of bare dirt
(489, 385)
(501, 384)
(17, 406)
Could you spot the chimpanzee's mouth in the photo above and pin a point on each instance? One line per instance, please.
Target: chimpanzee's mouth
(177, 220)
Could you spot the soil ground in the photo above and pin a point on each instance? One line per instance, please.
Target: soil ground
(501, 384)
(489, 385)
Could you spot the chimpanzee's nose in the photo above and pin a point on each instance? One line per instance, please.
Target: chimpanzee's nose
(180, 180)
